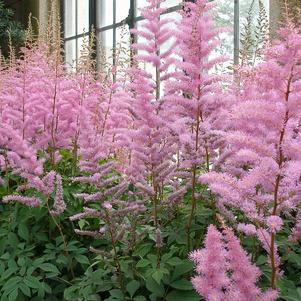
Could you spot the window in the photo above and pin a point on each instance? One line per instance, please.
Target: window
(114, 18)
(76, 24)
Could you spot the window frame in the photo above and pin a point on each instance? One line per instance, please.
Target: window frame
(132, 19)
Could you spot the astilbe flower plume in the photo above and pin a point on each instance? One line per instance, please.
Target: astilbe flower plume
(145, 140)
(259, 173)
(224, 270)
(193, 101)
(34, 118)
(117, 218)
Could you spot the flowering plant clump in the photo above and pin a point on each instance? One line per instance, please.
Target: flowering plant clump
(158, 178)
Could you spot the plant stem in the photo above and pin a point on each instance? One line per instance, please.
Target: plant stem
(116, 259)
(63, 239)
(193, 208)
(277, 184)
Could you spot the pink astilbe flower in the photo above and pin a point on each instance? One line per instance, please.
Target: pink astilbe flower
(296, 231)
(261, 138)
(247, 229)
(194, 95)
(274, 223)
(59, 205)
(265, 239)
(224, 270)
(211, 267)
(28, 201)
(193, 102)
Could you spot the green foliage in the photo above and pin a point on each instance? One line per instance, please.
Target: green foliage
(37, 263)
(9, 30)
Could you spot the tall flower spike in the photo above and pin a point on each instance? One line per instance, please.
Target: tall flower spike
(261, 136)
(224, 270)
(211, 267)
(28, 201)
(59, 205)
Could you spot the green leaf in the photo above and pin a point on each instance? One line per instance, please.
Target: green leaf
(117, 293)
(11, 283)
(32, 282)
(143, 250)
(13, 295)
(23, 231)
(142, 263)
(174, 261)
(8, 273)
(5, 256)
(49, 267)
(158, 275)
(182, 284)
(290, 298)
(69, 293)
(82, 259)
(13, 239)
(183, 296)
(25, 289)
(154, 287)
(261, 260)
(181, 269)
(132, 287)
(295, 258)
(140, 298)
(81, 224)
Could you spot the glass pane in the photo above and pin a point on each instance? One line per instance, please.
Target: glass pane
(122, 9)
(252, 7)
(141, 4)
(70, 53)
(105, 45)
(82, 46)
(225, 19)
(122, 46)
(69, 18)
(82, 16)
(104, 9)
(254, 29)
(171, 3)
(167, 3)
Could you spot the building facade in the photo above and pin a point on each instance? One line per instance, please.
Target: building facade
(113, 18)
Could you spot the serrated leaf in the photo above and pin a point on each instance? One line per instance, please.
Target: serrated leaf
(23, 231)
(174, 261)
(183, 296)
(182, 284)
(117, 293)
(82, 259)
(13, 295)
(157, 276)
(13, 240)
(182, 269)
(132, 287)
(11, 283)
(142, 263)
(49, 267)
(154, 287)
(25, 289)
(139, 298)
(32, 282)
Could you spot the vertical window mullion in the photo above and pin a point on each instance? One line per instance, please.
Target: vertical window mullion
(132, 24)
(114, 32)
(236, 32)
(76, 22)
(92, 14)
